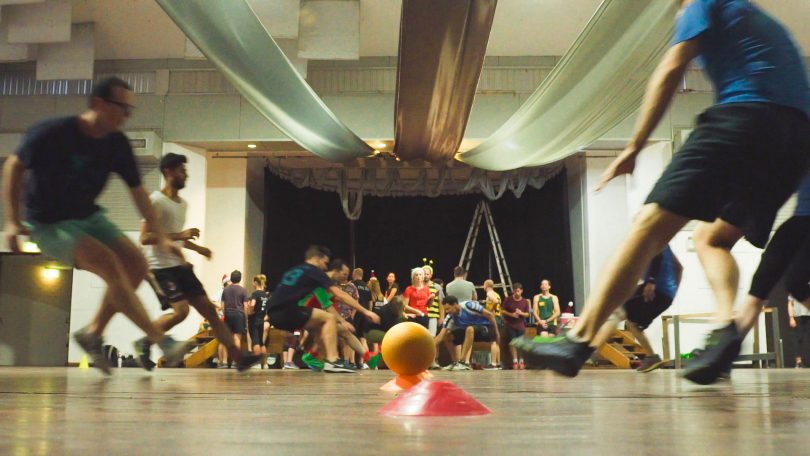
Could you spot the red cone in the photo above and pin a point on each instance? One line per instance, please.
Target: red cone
(435, 399)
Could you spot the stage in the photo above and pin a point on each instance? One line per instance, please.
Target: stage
(195, 411)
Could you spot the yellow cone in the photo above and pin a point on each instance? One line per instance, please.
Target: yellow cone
(83, 364)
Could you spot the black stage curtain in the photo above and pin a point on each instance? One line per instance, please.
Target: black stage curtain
(395, 234)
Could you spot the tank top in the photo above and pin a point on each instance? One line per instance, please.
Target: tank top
(545, 307)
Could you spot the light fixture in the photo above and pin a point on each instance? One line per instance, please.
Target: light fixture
(50, 273)
(380, 145)
(30, 247)
(251, 146)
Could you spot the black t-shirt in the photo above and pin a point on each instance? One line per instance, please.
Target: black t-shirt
(365, 293)
(297, 283)
(260, 308)
(68, 169)
(388, 317)
(393, 286)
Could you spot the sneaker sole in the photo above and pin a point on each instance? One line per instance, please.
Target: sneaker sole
(652, 367)
(339, 370)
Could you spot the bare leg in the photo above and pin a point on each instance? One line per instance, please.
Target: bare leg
(135, 270)
(640, 337)
(713, 243)
(91, 255)
(170, 320)
(650, 232)
(325, 325)
(466, 348)
(221, 331)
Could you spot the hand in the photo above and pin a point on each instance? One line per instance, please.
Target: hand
(189, 234)
(205, 251)
(625, 163)
(648, 292)
(374, 318)
(792, 322)
(13, 230)
(544, 324)
(166, 245)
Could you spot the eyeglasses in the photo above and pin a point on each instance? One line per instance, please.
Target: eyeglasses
(127, 108)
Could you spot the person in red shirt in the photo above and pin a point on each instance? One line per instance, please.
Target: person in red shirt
(418, 295)
(515, 309)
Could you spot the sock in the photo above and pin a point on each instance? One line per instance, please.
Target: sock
(514, 361)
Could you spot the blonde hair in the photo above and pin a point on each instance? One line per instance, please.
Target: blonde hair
(489, 283)
(260, 280)
(374, 288)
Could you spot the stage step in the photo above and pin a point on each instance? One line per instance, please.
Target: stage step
(621, 350)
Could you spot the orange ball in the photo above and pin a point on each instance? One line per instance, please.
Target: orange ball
(408, 349)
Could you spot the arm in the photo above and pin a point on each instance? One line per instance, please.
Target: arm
(440, 337)
(657, 97)
(13, 173)
(344, 297)
(491, 317)
(204, 251)
(556, 312)
(535, 308)
(791, 315)
(413, 311)
(150, 238)
(146, 210)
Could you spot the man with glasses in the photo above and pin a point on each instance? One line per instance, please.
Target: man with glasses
(64, 163)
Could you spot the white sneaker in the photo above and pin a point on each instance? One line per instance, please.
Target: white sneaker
(462, 367)
(365, 367)
(450, 367)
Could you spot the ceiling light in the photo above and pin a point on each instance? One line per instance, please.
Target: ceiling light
(30, 247)
(380, 145)
(50, 273)
(251, 146)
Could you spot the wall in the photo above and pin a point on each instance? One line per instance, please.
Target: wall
(34, 312)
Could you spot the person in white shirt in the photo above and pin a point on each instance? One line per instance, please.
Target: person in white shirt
(175, 277)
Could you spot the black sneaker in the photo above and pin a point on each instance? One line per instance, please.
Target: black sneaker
(562, 355)
(143, 353)
(245, 362)
(338, 366)
(722, 348)
(91, 344)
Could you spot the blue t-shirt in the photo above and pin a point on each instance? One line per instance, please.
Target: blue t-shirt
(471, 314)
(749, 56)
(803, 197)
(68, 169)
(662, 271)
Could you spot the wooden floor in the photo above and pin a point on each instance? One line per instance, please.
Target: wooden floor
(58, 411)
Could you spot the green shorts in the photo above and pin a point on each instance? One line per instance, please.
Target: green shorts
(59, 240)
(320, 298)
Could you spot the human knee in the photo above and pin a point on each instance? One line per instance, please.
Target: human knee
(180, 310)
(715, 235)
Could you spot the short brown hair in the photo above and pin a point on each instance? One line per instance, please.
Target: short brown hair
(458, 271)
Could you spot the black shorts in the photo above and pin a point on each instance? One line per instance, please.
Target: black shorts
(481, 333)
(512, 333)
(643, 313)
(741, 163)
(552, 329)
(289, 317)
(256, 329)
(178, 283)
(235, 321)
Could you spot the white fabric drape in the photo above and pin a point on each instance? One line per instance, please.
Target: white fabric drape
(232, 38)
(597, 84)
